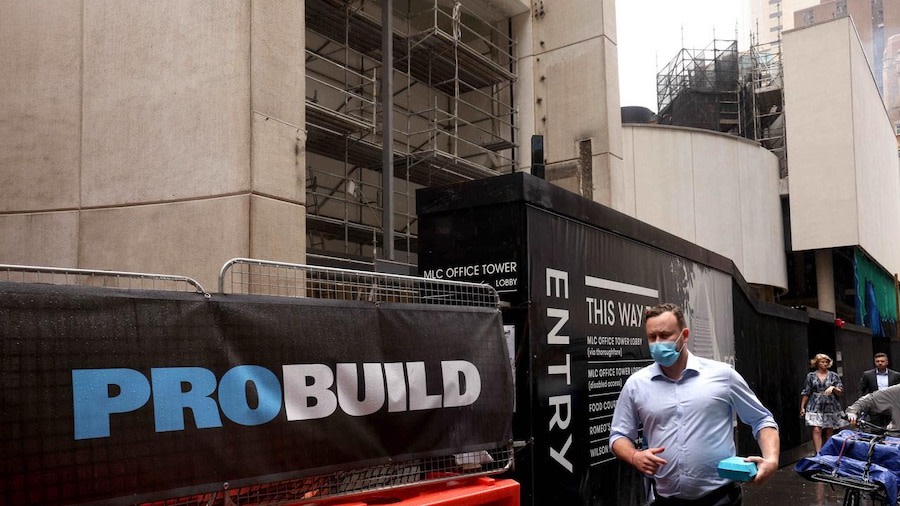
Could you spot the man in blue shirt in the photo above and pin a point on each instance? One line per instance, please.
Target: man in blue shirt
(686, 405)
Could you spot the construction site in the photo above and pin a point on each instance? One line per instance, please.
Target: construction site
(721, 89)
(452, 117)
(433, 240)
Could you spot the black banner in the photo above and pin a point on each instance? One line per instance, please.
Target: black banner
(588, 295)
(582, 281)
(774, 359)
(130, 395)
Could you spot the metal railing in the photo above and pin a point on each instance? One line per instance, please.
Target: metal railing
(262, 277)
(767, 76)
(99, 278)
(466, 26)
(345, 91)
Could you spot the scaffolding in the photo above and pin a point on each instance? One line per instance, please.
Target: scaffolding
(767, 85)
(700, 88)
(454, 119)
(717, 88)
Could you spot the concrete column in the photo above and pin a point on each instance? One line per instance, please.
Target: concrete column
(277, 213)
(574, 100)
(825, 280)
(387, 127)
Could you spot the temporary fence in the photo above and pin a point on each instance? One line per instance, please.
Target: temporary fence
(99, 278)
(261, 277)
(252, 277)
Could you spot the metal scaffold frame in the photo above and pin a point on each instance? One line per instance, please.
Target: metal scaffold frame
(99, 278)
(717, 88)
(700, 88)
(767, 84)
(453, 108)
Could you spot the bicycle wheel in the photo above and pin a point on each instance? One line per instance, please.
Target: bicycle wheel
(851, 497)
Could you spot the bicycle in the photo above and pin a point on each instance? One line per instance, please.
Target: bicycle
(865, 464)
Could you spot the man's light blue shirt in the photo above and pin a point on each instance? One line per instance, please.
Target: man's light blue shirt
(692, 418)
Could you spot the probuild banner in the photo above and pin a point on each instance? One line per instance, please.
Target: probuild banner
(121, 397)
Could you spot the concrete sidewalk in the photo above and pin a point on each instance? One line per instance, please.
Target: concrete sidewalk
(787, 488)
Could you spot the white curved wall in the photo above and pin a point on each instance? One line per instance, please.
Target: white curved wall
(714, 190)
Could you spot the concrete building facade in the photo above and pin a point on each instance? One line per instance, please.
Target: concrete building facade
(715, 190)
(171, 137)
(769, 18)
(151, 137)
(845, 176)
(876, 21)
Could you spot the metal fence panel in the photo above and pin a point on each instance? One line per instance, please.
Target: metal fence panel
(98, 278)
(262, 277)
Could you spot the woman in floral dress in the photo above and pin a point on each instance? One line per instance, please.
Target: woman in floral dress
(819, 403)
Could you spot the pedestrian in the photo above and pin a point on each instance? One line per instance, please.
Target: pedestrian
(886, 400)
(686, 405)
(877, 379)
(819, 403)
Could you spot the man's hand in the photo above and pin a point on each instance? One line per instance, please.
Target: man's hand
(764, 469)
(852, 418)
(646, 461)
(769, 443)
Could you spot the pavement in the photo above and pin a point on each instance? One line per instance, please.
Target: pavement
(787, 488)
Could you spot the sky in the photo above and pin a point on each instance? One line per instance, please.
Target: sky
(651, 32)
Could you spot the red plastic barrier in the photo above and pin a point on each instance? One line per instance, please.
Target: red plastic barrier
(469, 492)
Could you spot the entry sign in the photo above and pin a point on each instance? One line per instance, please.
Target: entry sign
(587, 321)
(578, 307)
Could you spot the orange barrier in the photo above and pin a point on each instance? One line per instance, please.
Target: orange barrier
(465, 492)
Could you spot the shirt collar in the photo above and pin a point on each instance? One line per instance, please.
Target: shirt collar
(692, 368)
(693, 363)
(885, 373)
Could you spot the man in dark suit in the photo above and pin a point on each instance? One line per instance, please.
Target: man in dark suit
(876, 379)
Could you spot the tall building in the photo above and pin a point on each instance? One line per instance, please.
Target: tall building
(876, 21)
(769, 18)
(816, 105)
(168, 140)
(844, 176)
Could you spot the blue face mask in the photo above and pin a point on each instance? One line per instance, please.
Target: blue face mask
(665, 353)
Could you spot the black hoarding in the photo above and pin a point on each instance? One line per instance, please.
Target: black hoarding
(582, 286)
(119, 397)
(588, 295)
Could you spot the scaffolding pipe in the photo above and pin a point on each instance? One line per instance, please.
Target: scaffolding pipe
(387, 128)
